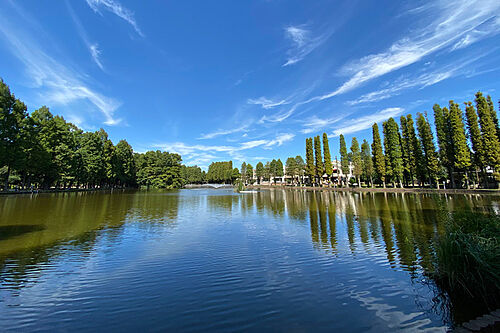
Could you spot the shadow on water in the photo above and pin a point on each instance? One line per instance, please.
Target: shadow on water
(72, 223)
(8, 231)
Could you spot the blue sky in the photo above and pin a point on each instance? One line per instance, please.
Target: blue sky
(245, 80)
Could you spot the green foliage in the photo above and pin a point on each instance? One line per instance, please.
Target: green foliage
(468, 256)
(259, 171)
(327, 156)
(366, 161)
(474, 135)
(491, 145)
(461, 152)
(291, 167)
(318, 160)
(415, 154)
(301, 165)
(357, 162)
(243, 170)
(378, 154)
(249, 173)
(344, 158)
(494, 116)
(393, 150)
(159, 169)
(431, 162)
(279, 168)
(267, 170)
(192, 175)
(310, 168)
(221, 172)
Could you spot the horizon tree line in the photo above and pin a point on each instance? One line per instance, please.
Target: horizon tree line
(40, 150)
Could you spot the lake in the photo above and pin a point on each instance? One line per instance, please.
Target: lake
(214, 260)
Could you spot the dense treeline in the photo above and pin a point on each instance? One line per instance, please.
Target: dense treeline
(464, 154)
(222, 172)
(40, 150)
(467, 151)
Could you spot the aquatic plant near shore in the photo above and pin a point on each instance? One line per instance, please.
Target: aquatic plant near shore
(468, 257)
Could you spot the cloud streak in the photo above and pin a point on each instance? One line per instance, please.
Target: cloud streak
(200, 153)
(92, 47)
(221, 132)
(116, 8)
(303, 43)
(365, 122)
(458, 24)
(60, 84)
(315, 124)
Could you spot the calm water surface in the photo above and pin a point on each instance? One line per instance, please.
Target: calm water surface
(214, 260)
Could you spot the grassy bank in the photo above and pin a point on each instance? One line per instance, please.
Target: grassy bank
(467, 264)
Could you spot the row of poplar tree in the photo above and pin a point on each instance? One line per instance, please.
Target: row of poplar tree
(40, 150)
(467, 151)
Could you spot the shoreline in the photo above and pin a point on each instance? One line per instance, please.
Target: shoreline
(382, 190)
(70, 190)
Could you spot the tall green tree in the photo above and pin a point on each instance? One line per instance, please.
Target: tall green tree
(243, 172)
(319, 167)
(408, 168)
(416, 153)
(367, 162)
(378, 155)
(125, 165)
(461, 158)
(267, 171)
(431, 161)
(273, 170)
(475, 137)
(259, 172)
(12, 114)
(159, 169)
(494, 116)
(310, 168)
(491, 145)
(291, 168)
(357, 162)
(279, 169)
(344, 158)
(249, 173)
(393, 150)
(445, 142)
(301, 167)
(327, 157)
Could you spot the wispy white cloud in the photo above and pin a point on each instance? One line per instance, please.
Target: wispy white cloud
(95, 52)
(455, 21)
(221, 132)
(422, 81)
(202, 154)
(367, 121)
(280, 139)
(92, 47)
(116, 8)
(303, 43)
(266, 103)
(59, 84)
(315, 124)
(451, 22)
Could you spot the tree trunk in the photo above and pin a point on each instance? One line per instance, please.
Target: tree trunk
(6, 184)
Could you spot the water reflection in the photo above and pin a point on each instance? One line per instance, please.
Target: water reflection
(277, 251)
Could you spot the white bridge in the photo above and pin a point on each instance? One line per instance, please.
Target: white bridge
(208, 186)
